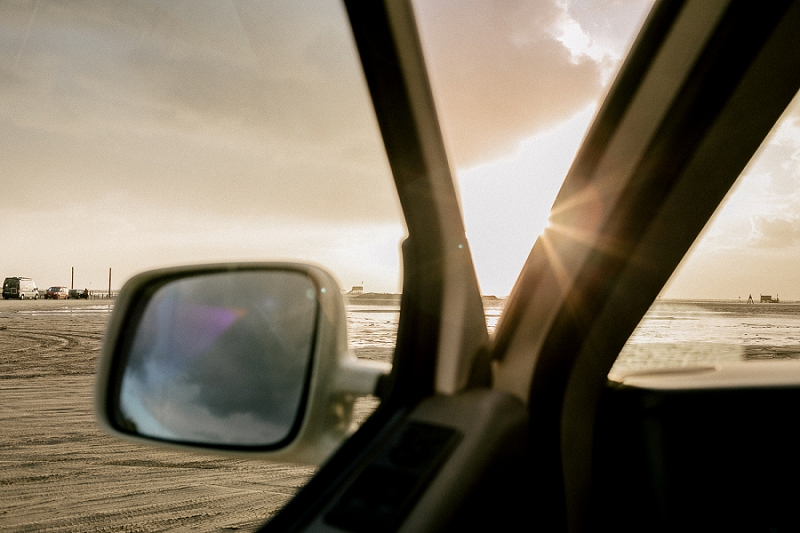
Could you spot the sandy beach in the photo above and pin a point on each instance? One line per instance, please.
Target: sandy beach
(61, 473)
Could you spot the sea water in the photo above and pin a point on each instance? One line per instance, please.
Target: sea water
(673, 333)
(677, 333)
(372, 326)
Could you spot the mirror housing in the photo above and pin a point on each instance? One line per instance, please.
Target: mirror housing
(190, 368)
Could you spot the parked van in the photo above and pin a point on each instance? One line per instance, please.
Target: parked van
(21, 288)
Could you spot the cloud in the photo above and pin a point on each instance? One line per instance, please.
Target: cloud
(206, 130)
(610, 25)
(505, 71)
(773, 232)
(260, 107)
(230, 109)
(774, 186)
(762, 211)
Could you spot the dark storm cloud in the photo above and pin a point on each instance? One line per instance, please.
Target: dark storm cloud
(500, 73)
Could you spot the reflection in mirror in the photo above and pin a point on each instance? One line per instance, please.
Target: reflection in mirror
(221, 359)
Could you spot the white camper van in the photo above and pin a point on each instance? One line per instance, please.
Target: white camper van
(20, 288)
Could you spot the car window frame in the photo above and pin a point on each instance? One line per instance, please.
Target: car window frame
(442, 338)
(559, 332)
(562, 327)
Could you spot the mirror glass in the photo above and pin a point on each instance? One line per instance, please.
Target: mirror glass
(221, 359)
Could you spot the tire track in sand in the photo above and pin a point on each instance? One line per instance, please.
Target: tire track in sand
(59, 473)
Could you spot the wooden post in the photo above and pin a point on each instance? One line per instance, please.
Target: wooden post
(72, 282)
(109, 282)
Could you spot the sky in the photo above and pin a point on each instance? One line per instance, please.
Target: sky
(137, 135)
(752, 244)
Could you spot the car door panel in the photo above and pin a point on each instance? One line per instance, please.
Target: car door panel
(699, 448)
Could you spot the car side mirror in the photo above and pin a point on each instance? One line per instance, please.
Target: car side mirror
(238, 358)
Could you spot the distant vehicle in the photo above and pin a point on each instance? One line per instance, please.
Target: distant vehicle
(77, 293)
(19, 287)
(56, 293)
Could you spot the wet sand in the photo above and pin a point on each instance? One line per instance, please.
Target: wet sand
(59, 472)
